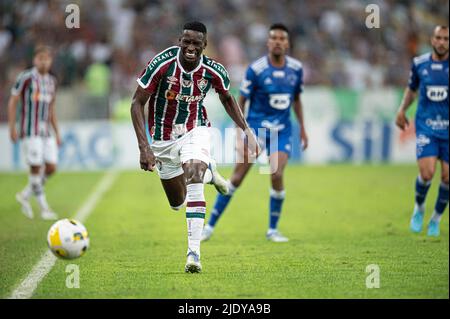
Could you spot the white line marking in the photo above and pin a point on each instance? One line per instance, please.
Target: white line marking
(27, 287)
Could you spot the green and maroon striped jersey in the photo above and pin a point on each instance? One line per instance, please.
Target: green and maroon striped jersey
(36, 92)
(176, 101)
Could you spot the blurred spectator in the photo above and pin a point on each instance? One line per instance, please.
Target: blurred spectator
(329, 37)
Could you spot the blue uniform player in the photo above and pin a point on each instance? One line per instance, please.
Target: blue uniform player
(429, 79)
(272, 85)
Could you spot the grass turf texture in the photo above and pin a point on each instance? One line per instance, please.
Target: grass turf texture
(339, 219)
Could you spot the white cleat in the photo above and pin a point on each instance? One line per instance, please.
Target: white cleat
(193, 264)
(25, 204)
(276, 237)
(48, 215)
(206, 233)
(217, 180)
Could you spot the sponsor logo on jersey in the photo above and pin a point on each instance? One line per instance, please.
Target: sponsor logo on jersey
(172, 95)
(437, 124)
(437, 66)
(172, 80)
(278, 74)
(280, 101)
(437, 93)
(422, 140)
(202, 83)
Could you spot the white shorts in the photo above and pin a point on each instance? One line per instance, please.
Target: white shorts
(40, 150)
(170, 155)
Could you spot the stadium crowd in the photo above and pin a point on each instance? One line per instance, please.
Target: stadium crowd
(116, 38)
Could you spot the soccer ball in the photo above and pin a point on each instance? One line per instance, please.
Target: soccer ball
(68, 239)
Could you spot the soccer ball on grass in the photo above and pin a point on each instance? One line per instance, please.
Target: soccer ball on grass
(68, 239)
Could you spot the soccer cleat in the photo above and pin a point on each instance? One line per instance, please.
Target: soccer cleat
(207, 232)
(25, 204)
(48, 215)
(193, 264)
(276, 237)
(217, 180)
(416, 221)
(433, 229)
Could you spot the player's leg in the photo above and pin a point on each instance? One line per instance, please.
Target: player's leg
(195, 211)
(241, 169)
(443, 193)
(222, 201)
(278, 162)
(195, 158)
(33, 152)
(427, 168)
(50, 153)
(175, 189)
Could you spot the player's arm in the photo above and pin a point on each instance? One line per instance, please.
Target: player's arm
(298, 109)
(235, 112)
(54, 121)
(12, 106)
(147, 158)
(408, 97)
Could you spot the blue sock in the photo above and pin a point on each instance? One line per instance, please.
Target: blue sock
(442, 200)
(220, 205)
(422, 188)
(276, 201)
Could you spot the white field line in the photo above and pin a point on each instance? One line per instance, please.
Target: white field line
(27, 287)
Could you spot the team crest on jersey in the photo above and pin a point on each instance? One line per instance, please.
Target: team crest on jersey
(186, 83)
(202, 83)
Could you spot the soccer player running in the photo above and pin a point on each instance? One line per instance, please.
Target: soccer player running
(429, 79)
(35, 88)
(175, 83)
(272, 84)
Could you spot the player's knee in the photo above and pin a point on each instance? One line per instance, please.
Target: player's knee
(50, 169)
(427, 174)
(177, 205)
(444, 179)
(277, 176)
(194, 175)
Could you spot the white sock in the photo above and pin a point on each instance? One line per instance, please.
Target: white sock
(420, 208)
(38, 190)
(436, 217)
(195, 215)
(28, 190)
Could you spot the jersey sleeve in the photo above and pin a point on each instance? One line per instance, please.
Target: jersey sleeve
(248, 83)
(19, 84)
(221, 82)
(299, 87)
(149, 78)
(414, 80)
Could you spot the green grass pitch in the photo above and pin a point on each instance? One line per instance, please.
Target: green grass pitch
(339, 219)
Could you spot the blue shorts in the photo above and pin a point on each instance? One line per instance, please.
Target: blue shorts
(431, 146)
(272, 140)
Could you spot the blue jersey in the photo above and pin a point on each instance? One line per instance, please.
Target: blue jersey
(271, 91)
(430, 78)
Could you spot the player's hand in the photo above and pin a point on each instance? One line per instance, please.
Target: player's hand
(252, 144)
(304, 139)
(14, 136)
(402, 121)
(58, 140)
(147, 159)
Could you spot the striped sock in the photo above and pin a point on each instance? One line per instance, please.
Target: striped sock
(195, 215)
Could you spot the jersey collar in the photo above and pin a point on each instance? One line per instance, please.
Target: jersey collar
(181, 67)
